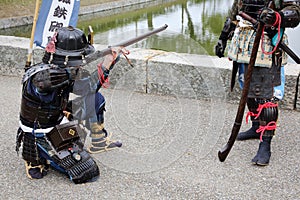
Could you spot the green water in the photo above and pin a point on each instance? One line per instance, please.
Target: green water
(194, 26)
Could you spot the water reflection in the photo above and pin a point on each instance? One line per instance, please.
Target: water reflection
(194, 26)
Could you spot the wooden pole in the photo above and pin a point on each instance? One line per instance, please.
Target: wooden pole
(28, 62)
(223, 153)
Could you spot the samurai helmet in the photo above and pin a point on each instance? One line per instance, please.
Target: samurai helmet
(68, 47)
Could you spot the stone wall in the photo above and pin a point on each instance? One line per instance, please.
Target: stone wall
(156, 72)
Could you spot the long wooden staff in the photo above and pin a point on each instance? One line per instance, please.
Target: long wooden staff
(223, 153)
(28, 62)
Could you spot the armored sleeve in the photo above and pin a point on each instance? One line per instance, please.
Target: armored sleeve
(50, 79)
(233, 11)
(290, 14)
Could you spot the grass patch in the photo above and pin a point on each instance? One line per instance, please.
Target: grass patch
(18, 8)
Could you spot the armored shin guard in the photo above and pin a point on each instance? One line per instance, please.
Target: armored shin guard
(101, 140)
(36, 167)
(78, 165)
(62, 149)
(268, 115)
(67, 153)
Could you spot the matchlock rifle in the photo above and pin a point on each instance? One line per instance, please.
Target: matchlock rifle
(104, 52)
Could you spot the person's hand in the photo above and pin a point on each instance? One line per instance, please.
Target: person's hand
(111, 59)
(268, 16)
(220, 48)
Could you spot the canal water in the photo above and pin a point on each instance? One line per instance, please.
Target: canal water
(193, 26)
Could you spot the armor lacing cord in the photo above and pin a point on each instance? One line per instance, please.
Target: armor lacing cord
(259, 109)
(102, 138)
(66, 60)
(51, 58)
(83, 59)
(50, 48)
(35, 144)
(125, 53)
(103, 81)
(251, 114)
(277, 22)
(269, 127)
(105, 142)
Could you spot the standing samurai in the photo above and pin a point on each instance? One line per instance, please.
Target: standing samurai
(267, 82)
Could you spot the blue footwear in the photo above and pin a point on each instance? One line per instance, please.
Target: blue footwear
(263, 155)
(249, 134)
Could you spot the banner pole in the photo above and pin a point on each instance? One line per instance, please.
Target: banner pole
(28, 62)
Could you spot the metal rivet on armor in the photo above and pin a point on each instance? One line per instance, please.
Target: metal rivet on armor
(76, 156)
(83, 59)
(51, 58)
(257, 90)
(66, 60)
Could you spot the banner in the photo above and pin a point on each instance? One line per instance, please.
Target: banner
(55, 14)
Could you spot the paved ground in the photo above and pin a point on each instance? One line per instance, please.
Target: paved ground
(169, 152)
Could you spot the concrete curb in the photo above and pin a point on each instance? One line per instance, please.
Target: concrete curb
(156, 72)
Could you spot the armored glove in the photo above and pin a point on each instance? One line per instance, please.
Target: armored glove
(220, 48)
(268, 16)
(226, 34)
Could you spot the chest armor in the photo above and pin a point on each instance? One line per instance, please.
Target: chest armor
(44, 114)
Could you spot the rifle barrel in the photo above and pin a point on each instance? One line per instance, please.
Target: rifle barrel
(98, 54)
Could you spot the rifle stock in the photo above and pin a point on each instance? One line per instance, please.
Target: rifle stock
(126, 43)
(223, 153)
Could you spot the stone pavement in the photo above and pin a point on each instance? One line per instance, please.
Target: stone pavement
(169, 151)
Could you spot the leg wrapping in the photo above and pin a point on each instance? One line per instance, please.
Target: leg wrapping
(101, 140)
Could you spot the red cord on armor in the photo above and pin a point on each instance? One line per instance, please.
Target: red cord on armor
(104, 82)
(270, 126)
(265, 105)
(251, 114)
(277, 22)
(50, 48)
